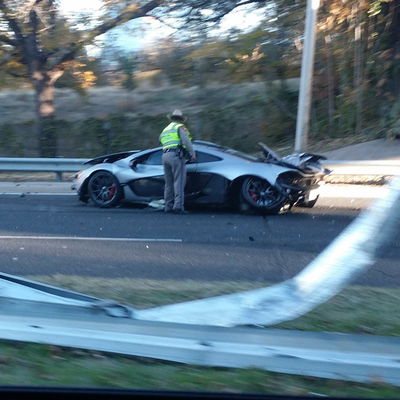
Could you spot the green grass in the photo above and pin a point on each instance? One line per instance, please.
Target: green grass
(33, 364)
(356, 310)
(45, 365)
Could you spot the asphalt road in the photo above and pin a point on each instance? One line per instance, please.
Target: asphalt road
(143, 243)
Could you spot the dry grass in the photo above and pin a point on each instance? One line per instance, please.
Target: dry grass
(18, 105)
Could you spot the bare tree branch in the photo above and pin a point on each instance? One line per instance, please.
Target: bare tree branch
(56, 74)
(130, 12)
(161, 20)
(231, 7)
(13, 24)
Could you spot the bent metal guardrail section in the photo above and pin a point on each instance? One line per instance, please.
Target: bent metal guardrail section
(347, 257)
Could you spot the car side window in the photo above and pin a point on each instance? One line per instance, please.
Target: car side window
(154, 158)
(202, 157)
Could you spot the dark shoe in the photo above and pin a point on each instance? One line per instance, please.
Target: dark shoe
(168, 211)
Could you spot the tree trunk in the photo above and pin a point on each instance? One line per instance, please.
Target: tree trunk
(45, 112)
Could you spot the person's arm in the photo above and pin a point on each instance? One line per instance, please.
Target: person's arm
(186, 142)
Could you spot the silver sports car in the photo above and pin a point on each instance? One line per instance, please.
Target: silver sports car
(220, 176)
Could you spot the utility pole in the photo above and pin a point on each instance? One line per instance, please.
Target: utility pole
(307, 68)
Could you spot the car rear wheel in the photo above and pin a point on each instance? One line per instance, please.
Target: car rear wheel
(262, 196)
(104, 189)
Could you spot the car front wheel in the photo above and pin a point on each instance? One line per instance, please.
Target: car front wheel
(104, 189)
(262, 196)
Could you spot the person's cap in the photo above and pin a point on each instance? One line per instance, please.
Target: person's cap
(177, 114)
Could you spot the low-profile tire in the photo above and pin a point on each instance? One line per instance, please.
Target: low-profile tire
(104, 189)
(261, 196)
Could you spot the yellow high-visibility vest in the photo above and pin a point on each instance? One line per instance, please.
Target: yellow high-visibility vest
(170, 137)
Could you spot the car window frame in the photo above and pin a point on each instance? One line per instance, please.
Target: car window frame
(215, 157)
(143, 158)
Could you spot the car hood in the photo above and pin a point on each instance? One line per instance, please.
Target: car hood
(111, 158)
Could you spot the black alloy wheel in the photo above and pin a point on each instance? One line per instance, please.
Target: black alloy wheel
(262, 196)
(104, 189)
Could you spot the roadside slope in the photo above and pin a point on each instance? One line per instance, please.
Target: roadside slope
(380, 149)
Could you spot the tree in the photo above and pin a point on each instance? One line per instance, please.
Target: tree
(361, 46)
(34, 35)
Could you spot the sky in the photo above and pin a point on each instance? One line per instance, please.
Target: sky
(73, 6)
(155, 30)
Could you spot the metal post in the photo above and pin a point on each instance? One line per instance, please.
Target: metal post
(307, 67)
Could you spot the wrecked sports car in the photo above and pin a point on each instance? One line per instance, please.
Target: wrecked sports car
(221, 176)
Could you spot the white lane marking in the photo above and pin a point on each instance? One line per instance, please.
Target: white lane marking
(104, 239)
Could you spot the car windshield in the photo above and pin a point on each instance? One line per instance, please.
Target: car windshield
(146, 248)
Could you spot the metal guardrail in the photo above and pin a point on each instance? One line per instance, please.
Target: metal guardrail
(360, 358)
(71, 319)
(364, 167)
(61, 165)
(56, 165)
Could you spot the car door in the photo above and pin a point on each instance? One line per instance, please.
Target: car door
(149, 181)
(203, 185)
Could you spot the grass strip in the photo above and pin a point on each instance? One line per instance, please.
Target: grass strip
(355, 310)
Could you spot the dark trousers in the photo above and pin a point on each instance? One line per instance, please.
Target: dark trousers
(175, 180)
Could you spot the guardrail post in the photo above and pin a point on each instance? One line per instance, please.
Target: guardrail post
(59, 176)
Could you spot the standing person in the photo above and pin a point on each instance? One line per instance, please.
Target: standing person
(176, 143)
